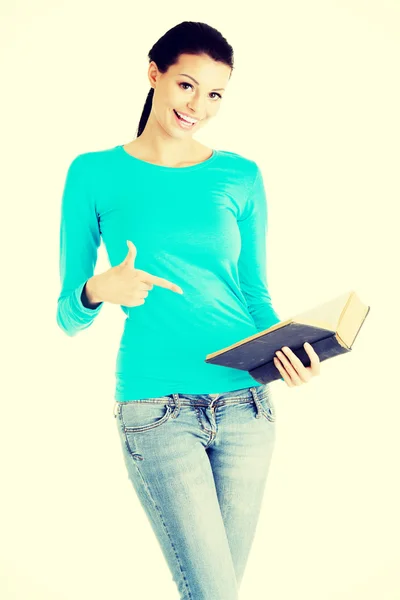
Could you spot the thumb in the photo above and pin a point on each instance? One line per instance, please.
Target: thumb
(129, 260)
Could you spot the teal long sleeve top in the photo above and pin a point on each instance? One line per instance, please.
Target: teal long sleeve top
(202, 227)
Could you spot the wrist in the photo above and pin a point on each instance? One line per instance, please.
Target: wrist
(91, 290)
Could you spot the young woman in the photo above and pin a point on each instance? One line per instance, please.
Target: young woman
(197, 459)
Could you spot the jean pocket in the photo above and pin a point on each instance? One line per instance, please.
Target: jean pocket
(268, 407)
(142, 416)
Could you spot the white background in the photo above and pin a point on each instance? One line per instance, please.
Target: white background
(314, 99)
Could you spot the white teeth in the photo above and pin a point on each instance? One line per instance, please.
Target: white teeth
(188, 119)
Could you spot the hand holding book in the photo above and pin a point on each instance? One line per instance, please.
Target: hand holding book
(291, 367)
(331, 328)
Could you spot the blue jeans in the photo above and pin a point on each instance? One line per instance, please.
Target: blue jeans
(199, 465)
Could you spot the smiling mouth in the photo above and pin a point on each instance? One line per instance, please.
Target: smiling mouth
(184, 120)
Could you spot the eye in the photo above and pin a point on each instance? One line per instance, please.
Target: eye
(190, 85)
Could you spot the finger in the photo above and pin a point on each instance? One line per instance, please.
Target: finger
(301, 369)
(298, 373)
(131, 256)
(314, 359)
(292, 357)
(160, 281)
(278, 366)
(282, 371)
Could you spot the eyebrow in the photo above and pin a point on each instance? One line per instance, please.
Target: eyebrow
(193, 79)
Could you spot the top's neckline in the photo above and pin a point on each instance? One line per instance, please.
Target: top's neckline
(204, 163)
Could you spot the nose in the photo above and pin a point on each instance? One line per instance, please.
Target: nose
(197, 108)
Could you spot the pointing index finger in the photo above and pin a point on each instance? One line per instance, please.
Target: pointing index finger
(160, 281)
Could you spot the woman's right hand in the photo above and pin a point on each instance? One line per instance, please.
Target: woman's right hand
(127, 286)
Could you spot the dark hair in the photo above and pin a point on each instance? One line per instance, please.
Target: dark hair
(189, 37)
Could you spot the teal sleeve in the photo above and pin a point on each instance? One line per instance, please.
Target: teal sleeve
(252, 264)
(79, 243)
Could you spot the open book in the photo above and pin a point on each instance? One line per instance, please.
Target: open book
(330, 328)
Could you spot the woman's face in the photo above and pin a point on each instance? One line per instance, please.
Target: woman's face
(197, 93)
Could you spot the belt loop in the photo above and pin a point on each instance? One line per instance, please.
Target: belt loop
(177, 408)
(257, 402)
(116, 408)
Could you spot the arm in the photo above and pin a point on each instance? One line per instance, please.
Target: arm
(79, 242)
(253, 226)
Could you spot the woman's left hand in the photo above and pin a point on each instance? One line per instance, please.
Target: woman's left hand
(292, 369)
